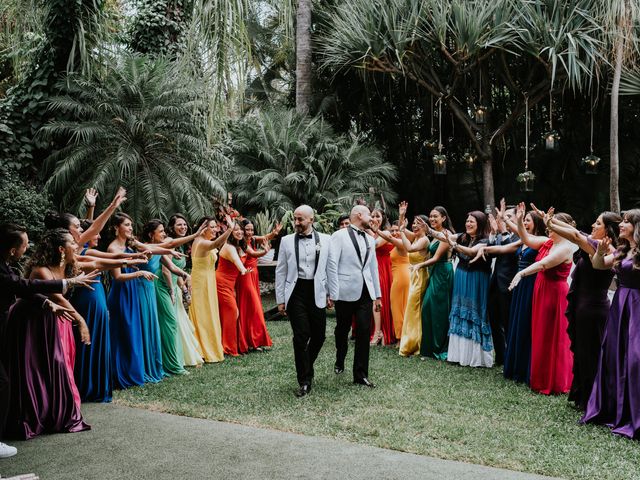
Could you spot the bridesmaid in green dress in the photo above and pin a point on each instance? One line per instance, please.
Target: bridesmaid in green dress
(437, 298)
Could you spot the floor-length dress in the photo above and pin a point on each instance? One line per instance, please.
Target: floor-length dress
(436, 306)
(125, 326)
(251, 319)
(587, 311)
(412, 325)
(42, 383)
(233, 340)
(551, 357)
(93, 362)
(615, 397)
(151, 343)
(171, 344)
(517, 357)
(191, 353)
(203, 311)
(470, 339)
(401, 280)
(384, 274)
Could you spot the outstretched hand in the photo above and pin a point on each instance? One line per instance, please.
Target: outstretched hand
(479, 254)
(90, 197)
(604, 246)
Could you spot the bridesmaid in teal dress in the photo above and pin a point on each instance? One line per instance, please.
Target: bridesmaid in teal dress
(437, 299)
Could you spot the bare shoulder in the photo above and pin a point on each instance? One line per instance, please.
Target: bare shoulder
(41, 273)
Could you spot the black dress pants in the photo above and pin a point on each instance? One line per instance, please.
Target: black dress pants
(499, 304)
(362, 311)
(308, 323)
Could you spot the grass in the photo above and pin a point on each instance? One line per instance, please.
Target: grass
(424, 407)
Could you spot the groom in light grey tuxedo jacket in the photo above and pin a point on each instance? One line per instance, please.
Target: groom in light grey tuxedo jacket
(352, 274)
(301, 291)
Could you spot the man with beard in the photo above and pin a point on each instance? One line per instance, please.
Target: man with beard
(301, 292)
(352, 274)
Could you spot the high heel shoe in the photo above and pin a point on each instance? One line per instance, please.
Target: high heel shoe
(378, 338)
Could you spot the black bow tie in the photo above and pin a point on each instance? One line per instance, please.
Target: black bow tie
(302, 235)
(359, 232)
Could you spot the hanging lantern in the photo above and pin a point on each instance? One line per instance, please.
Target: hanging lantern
(590, 164)
(552, 141)
(469, 159)
(481, 114)
(526, 180)
(440, 164)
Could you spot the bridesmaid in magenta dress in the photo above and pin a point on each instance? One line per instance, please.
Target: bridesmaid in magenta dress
(383, 330)
(551, 357)
(230, 265)
(615, 396)
(44, 395)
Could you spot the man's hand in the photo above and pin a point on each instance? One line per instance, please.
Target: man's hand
(281, 310)
(330, 303)
(377, 305)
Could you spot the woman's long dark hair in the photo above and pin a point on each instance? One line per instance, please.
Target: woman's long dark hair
(539, 228)
(58, 220)
(171, 232)
(447, 222)
(481, 233)
(150, 227)
(241, 244)
(384, 224)
(611, 222)
(47, 252)
(632, 216)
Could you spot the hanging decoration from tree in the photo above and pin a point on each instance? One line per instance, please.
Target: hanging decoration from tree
(591, 161)
(552, 137)
(481, 112)
(440, 160)
(526, 179)
(431, 144)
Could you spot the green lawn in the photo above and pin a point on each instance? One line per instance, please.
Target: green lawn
(424, 407)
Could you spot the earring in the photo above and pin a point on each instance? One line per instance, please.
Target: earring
(63, 258)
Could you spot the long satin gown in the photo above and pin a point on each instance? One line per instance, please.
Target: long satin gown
(44, 398)
(233, 340)
(93, 362)
(615, 397)
(384, 274)
(127, 360)
(436, 306)
(203, 310)
(551, 357)
(251, 315)
(412, 326)
(587, 312)
(191, 353)
(172, 356)
(151, 342)
(517, 357)
(399, 289)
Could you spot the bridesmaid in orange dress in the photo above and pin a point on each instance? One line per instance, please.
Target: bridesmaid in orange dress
(383, 322)
(230, 265)
(401, 275)
(551, 357)
(248, 289)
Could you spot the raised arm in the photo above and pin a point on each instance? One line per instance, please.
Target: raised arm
(231, 253)
(442, 250)
(603, 259)
(99, 223)
(532, 241)
(90, 197)
(558, 255)
(572, 234)
(396, 242)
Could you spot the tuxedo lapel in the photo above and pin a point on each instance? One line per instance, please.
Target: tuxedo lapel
(354, 240)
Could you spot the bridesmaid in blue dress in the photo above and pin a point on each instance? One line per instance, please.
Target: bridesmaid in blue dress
(518, 350)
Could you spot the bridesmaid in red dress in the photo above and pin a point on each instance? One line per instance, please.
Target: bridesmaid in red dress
(551, 357)
(248, 289)
(383, 330)
(230, 265)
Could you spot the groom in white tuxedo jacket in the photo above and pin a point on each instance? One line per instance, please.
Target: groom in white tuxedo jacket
(301, 292)
(354, 285)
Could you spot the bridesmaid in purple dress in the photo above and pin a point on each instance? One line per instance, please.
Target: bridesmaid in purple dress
(588, 303)
(615, 398)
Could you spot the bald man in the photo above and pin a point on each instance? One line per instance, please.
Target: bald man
(301, 292)
(352, 274)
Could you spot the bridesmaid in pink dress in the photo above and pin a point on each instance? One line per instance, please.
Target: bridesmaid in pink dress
(551, 357)
(383, 330)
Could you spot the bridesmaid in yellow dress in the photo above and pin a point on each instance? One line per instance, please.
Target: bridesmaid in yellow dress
(418, 251)
(203, 310)
(400, 277)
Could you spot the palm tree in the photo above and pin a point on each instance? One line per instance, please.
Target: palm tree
(283, 159)
(450, 48)
(303, 56)
(139, 127)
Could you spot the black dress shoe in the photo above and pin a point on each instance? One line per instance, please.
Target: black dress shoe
(364, 381)
(337, 369)
(303, 391)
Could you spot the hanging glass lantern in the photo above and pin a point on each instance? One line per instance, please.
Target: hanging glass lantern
(526, 180)
(440, 164)
(481, 114)
(552, 141)
(590, 164)
(469, 159)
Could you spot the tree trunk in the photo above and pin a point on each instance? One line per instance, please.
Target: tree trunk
(614, 172)
(303, 56)
(487, 182)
